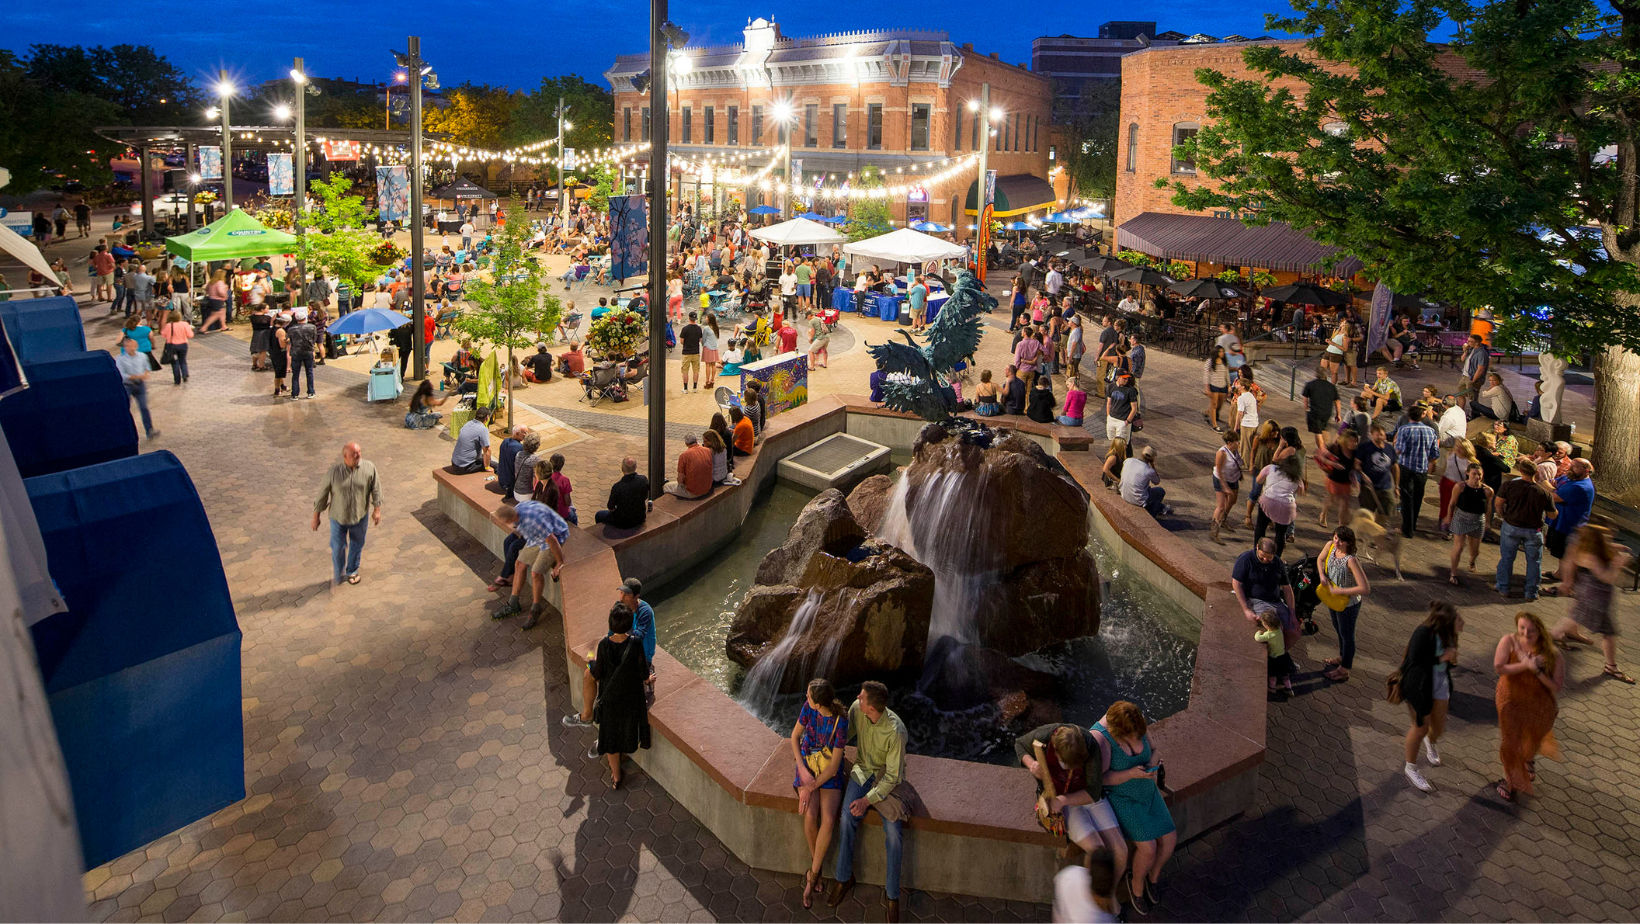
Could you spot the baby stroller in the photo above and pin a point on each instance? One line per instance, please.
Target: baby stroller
(602, 381)
(1304, 578)
(829, 317)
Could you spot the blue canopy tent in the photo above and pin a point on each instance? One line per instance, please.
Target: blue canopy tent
(1061, 218)
(82, 391)
(930, 227)
(764, 210)
(144, 686)
(44, 328)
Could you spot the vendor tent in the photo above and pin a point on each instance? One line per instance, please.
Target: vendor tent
(904, 246)
(26, 253)
(462, 188)
(231, 237)
(798, 231)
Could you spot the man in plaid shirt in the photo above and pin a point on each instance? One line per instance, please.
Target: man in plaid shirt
(1417, 448)
(544, 530)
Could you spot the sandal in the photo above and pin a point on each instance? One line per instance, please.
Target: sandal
(1453, 580)
(1504, 792)
(498, 583)
(1615, 674)
(1332, 662)
(808, 889)
(353, 579)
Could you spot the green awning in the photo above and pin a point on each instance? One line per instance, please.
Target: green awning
(1017, 194)
(231, 237)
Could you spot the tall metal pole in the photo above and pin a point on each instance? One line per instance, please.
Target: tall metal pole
(191, 164)
(227, 145)
(791, 183)
(655, 389)
(563, 194)
(418, 273)
(299, 199)
(982, 235)
(387, 113)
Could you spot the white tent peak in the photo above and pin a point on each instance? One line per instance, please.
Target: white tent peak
(905, 246)
(799, 231)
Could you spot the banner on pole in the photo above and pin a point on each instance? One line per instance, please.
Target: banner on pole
(393, 192)
(1378, 327)
(982, 240)
(628, 236)
(281, 175)
(341, 150)
(210, 162)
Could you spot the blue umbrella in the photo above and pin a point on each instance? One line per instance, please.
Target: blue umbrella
(930, 227)
(1086, 212)
(1060, 218)
(814, 216)
(765, 210)
(1018, 226)
(367, 321)
(838, 219)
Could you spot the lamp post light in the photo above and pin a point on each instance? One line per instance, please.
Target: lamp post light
(418, 72)
(563, 194)
(299, 79)
(387, 119)
(785, 114)
(224, 90)
(663, 35)
(986, 114)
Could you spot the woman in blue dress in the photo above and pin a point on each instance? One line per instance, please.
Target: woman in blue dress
(817, 744)
(1131, 785)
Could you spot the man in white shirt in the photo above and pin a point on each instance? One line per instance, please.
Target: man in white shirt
(1141, 484)
(1246, 418)
(1454, 423)
(1054, 282)
(467, 235)
(133, 367)
(1129, 304)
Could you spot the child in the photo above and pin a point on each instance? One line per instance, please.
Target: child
(1278, 664)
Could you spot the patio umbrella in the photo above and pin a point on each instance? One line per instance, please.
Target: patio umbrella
(1018, 226)
(930, 227)
(764, 210)
(1143, 275)
(838, 219)
(1102, 263)
(1205, 288)
(1086, 212)
(1061, 218)
(813, 216)
(367, 321)
(1304, 293)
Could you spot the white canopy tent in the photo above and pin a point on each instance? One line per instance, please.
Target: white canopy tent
(798, 231)
(27, 254)
(904, 246)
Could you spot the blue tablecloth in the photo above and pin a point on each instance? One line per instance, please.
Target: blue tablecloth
(842, 299)
(935, 303)
(888, 307)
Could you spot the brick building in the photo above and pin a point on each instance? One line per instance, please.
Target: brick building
(894, 99)
(1162, 104)
(1080, 66)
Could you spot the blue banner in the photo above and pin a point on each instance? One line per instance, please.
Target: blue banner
(393, 192)
(281, 175)
(628, 236)
(1378, 327)
(210, 162)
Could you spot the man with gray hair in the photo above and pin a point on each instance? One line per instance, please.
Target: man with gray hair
(351, 492)
(628, 498)
(1141, 486)
(694, 471)
(505, 472)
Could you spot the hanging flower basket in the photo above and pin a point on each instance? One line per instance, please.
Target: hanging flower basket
(386, 254)
(618, 333)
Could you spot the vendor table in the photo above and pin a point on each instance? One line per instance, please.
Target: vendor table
(842, 299)
(888, 307)
(935, 303)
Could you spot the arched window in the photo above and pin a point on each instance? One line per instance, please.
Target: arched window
(1182, 132)
(1133, 147)
(1336, 129)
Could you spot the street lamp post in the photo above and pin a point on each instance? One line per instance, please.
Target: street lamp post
(985, 114)
(298, 78)
(659, 173)
(416, 72)
(784, 115)
(387, 118)
(224, 89)
(563, 194)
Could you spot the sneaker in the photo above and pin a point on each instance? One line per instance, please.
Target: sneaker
(592, 753)
(153, 433)
(535, 615)
(511, 608)
(1430, 754)
(574, 720)
(1417, 778)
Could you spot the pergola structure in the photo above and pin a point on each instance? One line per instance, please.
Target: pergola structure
(146, 138)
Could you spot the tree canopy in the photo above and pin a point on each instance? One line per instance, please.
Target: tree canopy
(1091, 137)
(1497, 169)
(334, 237)
(871, 216)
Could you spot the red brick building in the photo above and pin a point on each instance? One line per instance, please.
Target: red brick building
(1162, 104)
(894, 99)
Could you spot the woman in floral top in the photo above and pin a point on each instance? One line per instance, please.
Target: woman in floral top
(817, 744)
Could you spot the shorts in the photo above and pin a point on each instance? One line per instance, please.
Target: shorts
(1317, 426)
(1464, 389)
(1117, 428)
(1442, 684)
(1555, 541)
(1349, 359)
(105, 279)
(1219, 389)
(541, 562)
(804, 290)
(691, 361)
(1339, 488)
(1081, 821)
(1231, 488)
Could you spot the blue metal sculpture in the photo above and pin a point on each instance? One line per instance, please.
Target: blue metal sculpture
(919, 375)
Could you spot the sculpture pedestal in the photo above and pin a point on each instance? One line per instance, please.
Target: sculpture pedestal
(1546, 432)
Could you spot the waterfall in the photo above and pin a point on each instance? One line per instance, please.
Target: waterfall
(763, 681)
(952, 513)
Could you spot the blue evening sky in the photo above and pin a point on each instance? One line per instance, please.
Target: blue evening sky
(514, 42)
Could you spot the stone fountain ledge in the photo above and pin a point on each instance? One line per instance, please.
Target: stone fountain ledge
(734, 773)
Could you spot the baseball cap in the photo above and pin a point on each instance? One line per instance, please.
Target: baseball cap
(631, 586)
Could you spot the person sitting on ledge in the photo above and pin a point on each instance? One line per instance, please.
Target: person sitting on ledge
(694, 471)
(628, 499)
(472, 450)
(1141, 486)
(1042, 400)
(1070, 759)
(878, 771)
(1013, 393)
(745, 433)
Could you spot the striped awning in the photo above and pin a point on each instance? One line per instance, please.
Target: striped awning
(1276, 247)
(1017, 194)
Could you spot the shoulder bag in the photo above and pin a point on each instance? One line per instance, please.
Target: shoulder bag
(1330, 598)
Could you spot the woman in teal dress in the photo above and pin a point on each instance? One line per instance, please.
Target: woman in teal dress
(1131, 787)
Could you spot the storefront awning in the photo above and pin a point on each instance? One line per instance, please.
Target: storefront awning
(1276, 247)
(1017, 194)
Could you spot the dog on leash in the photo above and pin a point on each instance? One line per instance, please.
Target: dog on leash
(1370, 534)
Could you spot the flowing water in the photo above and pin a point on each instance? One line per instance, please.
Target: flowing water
(1145, 651)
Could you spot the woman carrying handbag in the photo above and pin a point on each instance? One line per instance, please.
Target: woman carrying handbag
(1343, 583)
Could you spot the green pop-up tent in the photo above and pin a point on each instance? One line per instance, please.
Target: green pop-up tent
(231, 237)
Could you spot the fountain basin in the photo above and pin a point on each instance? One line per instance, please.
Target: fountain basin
(979, 837)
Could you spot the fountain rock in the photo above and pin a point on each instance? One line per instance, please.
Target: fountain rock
(1041, 603)
(869, 501)
(861, 620)
(962, 676)
(825, 524)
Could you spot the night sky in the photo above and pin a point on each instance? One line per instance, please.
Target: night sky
(351, 38)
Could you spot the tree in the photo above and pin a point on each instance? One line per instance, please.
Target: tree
(50, 129)
(474, 114)
(591, 114)
(1092, 135)
(334, 237)
(870, 216)
(144, 87)
(515, 306)
(1496, 170)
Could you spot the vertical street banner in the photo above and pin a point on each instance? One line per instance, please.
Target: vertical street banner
(281, 175)
(628, 237)
(1378, 326)
(982, 240)
(393, 191)
(210, 162)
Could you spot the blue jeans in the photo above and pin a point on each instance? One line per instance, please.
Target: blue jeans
(119, 299)
(1153, 500)
(179, 362)
(1510, 540)
(849, 829)
(1069, 421)
(346, 547)
(138, 390)
(1344, 624)
(513, 545)
(298, 363)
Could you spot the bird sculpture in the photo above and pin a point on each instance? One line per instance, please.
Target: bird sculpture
(919, 375)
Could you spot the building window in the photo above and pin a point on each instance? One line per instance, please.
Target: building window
(686, 131)
(710, 127)
(874, 127)
(757, 126)
(979, 119)
(626, 124)
(1133, 147)
(1336, 129)
(646, 123)
(1182, 132)
(811, 125)
(1030, 133)
(956, 131)
(839, 125)
(919, 126)
(734, 125)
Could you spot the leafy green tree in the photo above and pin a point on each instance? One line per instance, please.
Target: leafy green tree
(144, 87)
(474, 114)
(49, 130)
(1091, 138)
(1497, 169)
(591, 114)
(870, 216)
(515, 306)
(334, 235)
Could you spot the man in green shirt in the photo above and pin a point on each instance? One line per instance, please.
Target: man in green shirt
(351, 494)
(805, 289)
(879, 766)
